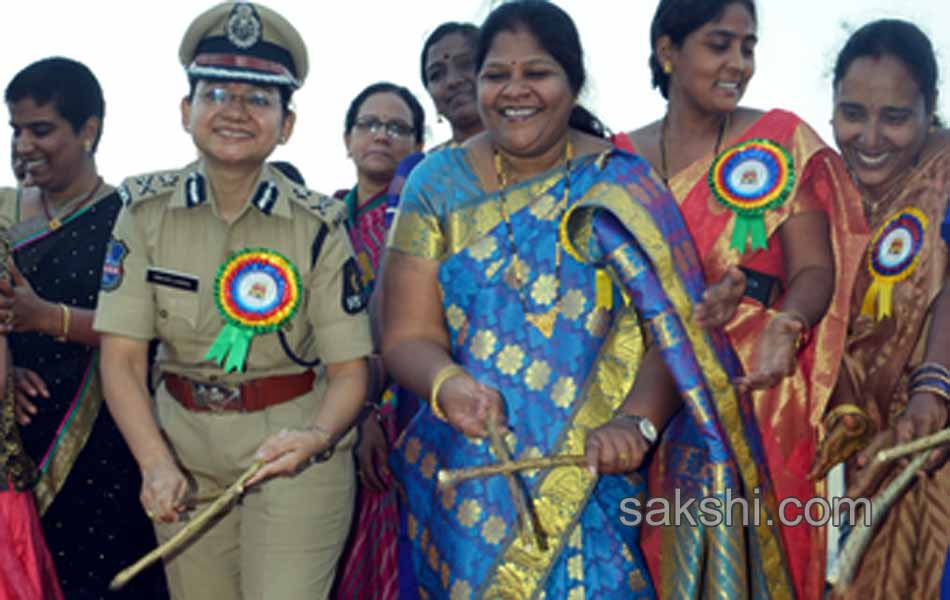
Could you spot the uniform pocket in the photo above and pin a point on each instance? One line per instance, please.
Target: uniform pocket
(177, 311)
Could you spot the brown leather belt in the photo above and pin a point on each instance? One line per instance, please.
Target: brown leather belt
(249, 396)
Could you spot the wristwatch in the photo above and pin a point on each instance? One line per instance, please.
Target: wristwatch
(645, 425)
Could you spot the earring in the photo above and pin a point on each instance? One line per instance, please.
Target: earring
(667, 68)
(439, 118)
(87, 146)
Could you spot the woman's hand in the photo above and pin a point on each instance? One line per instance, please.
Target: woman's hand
(29, 385)
(21, 309)
(925, 414)
(288, 451)
(371, 453)
(163, 492)
(468, 405)
(776, 355)
(721, 300)
(616, 447)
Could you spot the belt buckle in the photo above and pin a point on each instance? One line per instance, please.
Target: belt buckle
(218, 398)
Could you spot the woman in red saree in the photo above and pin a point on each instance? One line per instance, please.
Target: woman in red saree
(767, 201)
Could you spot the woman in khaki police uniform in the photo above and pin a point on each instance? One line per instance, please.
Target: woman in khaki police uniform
(238, 271)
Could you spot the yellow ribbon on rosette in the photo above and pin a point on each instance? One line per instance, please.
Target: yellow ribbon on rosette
(893, 256)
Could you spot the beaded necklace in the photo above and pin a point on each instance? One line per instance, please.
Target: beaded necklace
(515, 276)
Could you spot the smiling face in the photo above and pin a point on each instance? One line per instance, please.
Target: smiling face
(236, 123)
(524, 97)
(45, 146)
(880, 119)
(715, 63)
(450, 80)
(378, 153)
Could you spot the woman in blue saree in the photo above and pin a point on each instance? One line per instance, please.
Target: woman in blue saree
(504, 304)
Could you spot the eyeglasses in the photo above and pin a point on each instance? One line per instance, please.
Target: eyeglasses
(257, 101)
(394, 129)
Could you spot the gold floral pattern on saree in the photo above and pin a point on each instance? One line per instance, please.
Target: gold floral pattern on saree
(483, 248)
(573, 304)
(564, 392)
(461, 590)
(429, 463)
(483, 344)
(469, 513)
(544, 289)
(455, 317)
(598, 322)
(510, 359)
(537, 375)
(494, 530)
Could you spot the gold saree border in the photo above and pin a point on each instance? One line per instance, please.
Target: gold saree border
(73, 440)
(425, 235)
(562, 494)
(639, 221)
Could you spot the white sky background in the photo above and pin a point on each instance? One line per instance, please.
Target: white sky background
(132, 47)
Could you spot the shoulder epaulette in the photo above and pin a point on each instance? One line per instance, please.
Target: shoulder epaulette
(328, 209)
(150, 185)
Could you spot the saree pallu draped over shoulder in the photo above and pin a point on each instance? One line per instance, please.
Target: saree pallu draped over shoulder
(464, 539)
(63, 266)
(789, 414)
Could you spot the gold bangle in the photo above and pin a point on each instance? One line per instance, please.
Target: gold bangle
(796, 316)
(447, 372)
(66, 314)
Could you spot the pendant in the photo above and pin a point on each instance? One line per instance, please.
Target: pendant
(55, 223)
(516, 274)
(544, 322)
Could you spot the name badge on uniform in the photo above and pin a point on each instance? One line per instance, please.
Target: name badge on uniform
(172, 279)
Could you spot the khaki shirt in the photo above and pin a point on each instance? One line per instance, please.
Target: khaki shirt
(168, 244)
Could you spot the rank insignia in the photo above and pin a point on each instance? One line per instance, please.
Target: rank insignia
(244, 26)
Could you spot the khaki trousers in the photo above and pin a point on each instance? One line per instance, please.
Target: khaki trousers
(284, 539)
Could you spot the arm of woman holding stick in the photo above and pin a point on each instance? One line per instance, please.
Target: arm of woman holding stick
(124, 369)
(416, 347)
(620, 445)
(927, 409)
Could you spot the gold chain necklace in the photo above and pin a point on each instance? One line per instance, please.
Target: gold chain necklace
(515, 276)
(665, 174)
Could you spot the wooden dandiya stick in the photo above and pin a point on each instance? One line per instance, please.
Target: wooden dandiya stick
(450, 477)
(526, 522)
(925, 443)
(862, 533)
(186, 533)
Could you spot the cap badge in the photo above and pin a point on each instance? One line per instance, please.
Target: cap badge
(244, 26)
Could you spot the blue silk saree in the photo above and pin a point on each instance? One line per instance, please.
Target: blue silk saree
(631, 276)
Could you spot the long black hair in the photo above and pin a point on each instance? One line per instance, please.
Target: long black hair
(556, 33)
